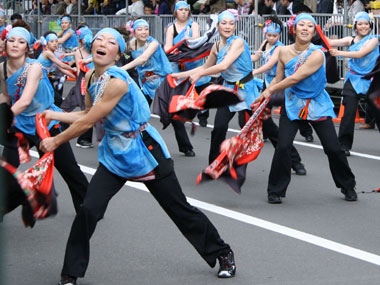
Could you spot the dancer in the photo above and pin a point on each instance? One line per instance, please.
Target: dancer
(185, 28)
(152, 67)
(301, 71)
(230, 57)
(76, 96)
(50, 61)
(116, 99)
(67, 38)
(362, 54)
(26, 86)
(149, 59)
(268, 51)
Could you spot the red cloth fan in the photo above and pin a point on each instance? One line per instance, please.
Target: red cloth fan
(237, 151)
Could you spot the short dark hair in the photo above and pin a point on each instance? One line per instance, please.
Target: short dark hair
(66, 15)
(16, 16)
(276, 20)
(21, 23)
(149, 5)
(48, 33)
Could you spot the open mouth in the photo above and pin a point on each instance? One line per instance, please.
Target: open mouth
(100, 52)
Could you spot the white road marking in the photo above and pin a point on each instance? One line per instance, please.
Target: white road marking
(353, 153)
(296, 234)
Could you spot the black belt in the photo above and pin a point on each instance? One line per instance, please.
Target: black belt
(249, 77)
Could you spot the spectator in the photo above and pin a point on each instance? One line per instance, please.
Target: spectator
(163, 7)
(69, 7)
(356, 6)
(334, 25)
(312, 4)
(275, 7)
(60, 8)
(92, 8)
(148, 8)
(295, 7)
(108, 7)
(213, 7)
(46, 7)
(74, 9)
(325, 6)
(136, 9)
(84, 5)
(243, 7)
(263, 9)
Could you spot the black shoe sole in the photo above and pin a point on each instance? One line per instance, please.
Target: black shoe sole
(274, 200)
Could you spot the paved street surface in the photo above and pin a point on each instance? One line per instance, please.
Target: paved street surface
(314, 237)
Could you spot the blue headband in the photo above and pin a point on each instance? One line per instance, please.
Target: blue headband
(82, 32)
(226, 15)
(304, 16)
(64, 18)
(140, 23)
(180, 5)
(273, 28)
(20, 32)
(362, 16)
(114, 33)
(50, 37)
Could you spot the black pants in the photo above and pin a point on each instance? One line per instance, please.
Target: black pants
(222, 117)
(280, 173)
(347, 125)
(305, 129)
(270, 131)
(193, 224)
(67, 166)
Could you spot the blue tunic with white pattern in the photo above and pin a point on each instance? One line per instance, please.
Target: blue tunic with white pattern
(43, 99)
(47, 64)
(312, 87)
(358, 67)
(238, 70)
(127, 157)
(270, 74)
(158, 63)
(70, 44)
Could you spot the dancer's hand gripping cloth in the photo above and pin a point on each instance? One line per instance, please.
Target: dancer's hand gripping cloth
(36, 182)
(180, 101)
(237, 151)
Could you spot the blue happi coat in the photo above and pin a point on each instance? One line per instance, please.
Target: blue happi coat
(123, 156)
(312, 87)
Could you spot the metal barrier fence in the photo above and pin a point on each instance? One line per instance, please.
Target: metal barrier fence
(333, 26)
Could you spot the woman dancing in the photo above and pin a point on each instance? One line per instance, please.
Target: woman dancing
(132, 149)
(301, 71)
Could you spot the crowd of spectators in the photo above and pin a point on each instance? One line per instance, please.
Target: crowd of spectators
(165, 7)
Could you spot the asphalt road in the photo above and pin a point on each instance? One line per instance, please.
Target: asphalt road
(314, 237)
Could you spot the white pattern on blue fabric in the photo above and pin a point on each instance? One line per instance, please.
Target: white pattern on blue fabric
(239, 69)
(311, 87)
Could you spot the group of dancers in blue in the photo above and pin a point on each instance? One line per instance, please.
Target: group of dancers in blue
(132, 149)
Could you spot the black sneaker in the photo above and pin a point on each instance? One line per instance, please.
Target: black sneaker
(84, 144)
(274, 198)
(189, 153)
(203, 122)
(68, 280)
(227, 267)
(309, 138)
(299, 168)
(350, 195)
